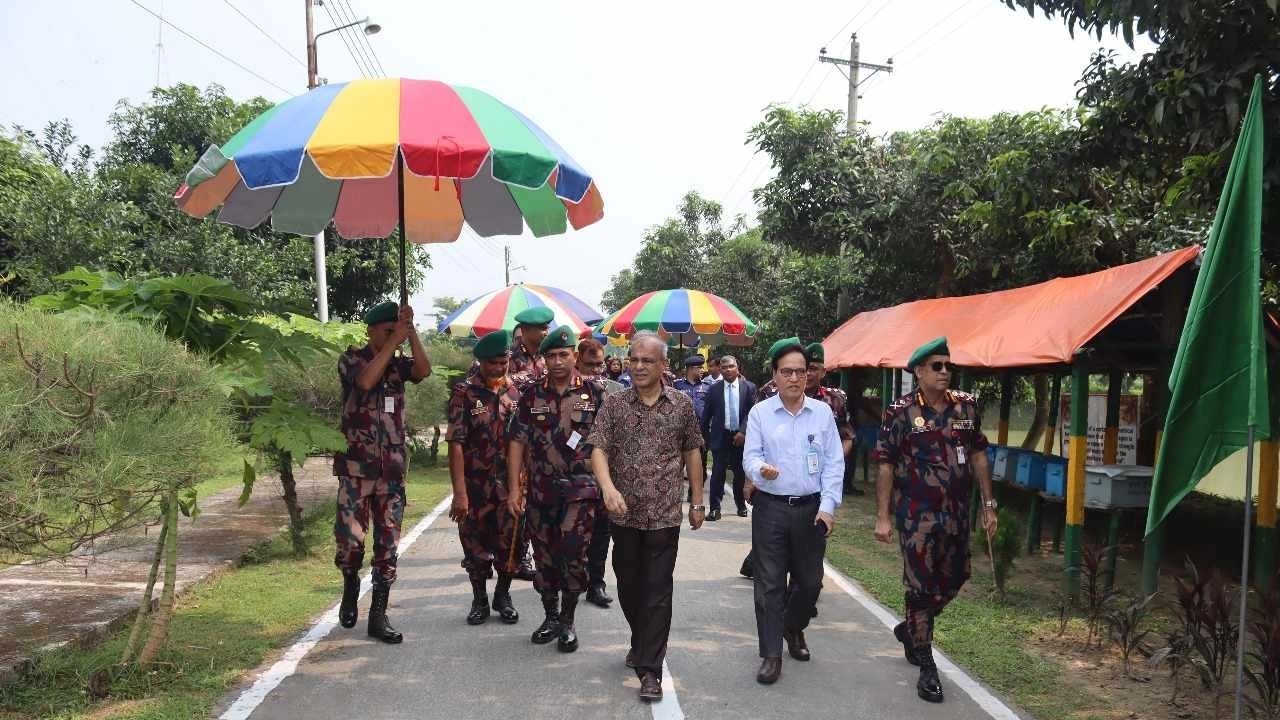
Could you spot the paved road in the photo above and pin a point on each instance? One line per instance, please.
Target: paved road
(447, 669)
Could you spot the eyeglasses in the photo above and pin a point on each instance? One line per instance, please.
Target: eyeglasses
(937, 366)
(793, 373)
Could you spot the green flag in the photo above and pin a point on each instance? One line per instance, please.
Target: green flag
(1218, 387)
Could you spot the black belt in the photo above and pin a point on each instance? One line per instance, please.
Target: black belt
(792, 500)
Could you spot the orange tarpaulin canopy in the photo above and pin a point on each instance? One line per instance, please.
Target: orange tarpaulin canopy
(1034, 325)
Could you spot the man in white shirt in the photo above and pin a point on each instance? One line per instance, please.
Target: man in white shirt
(795, 466)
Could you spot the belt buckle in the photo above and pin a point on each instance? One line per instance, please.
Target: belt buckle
(794, 500)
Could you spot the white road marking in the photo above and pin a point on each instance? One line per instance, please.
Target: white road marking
(668, 708)
(984, 699)
(249, 700)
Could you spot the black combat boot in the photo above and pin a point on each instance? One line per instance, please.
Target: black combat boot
(526, 571)
(929, 687)
(349, 612)
(568, 641)
(379, 627)
(479, 604)
(550, 626)
(903, 635)
(502, 600)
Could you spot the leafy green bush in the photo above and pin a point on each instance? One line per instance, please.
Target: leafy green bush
(157, 419)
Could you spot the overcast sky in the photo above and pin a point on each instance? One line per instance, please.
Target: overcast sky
(654, 99)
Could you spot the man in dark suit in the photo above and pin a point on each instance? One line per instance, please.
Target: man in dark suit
(724, 425)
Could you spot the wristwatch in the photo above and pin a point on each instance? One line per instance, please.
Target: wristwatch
(989, 504)
(698, 508)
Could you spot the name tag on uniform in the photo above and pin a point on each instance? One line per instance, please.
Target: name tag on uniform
(573, 440)
(479, 409)
(541, 410)
(961, 424)
(388, 404)
(584, 405)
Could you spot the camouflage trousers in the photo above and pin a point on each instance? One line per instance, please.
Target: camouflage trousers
(935, 565)
(358, 500)
(561, 533)
(491, 536)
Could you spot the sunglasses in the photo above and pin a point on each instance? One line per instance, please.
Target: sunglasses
(938, 365)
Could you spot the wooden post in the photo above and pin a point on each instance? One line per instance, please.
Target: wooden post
(1111, 441)
(1076, 456)
(886, 389)
(1264, 559)
(1006, 407)
(1051, 430)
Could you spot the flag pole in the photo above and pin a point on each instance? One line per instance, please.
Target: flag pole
(1244, 576)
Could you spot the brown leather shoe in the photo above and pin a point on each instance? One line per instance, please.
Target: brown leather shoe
(796, 645)
(650, 687)
(770, 670)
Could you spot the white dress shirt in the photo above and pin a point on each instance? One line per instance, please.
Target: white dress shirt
(778, 438)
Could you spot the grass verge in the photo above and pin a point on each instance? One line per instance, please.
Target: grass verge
(224, 627)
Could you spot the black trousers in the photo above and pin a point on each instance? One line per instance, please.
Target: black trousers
(785, 541)
(644, 562)
(722, 461)
(598, 550)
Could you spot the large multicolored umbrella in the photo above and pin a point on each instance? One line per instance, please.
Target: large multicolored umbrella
(685, 316)
(339, 153)
(498, 309)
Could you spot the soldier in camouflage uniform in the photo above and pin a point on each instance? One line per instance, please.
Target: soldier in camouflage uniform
(371, 472)
(527, 365)
(479, 411)
(930, 451)
(551, 425)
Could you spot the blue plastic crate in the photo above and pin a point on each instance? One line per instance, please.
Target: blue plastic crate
(1030, 473)
(1055, 476)
(1000, 464)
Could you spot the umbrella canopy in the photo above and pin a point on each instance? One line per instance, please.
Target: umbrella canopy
(684, 316)
(497, 310)
(339, 153)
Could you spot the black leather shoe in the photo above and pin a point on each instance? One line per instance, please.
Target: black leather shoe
(770, 670)
(713, 515)
(502, 605)
(747, 571)
(598, 597)
(526, 571)
(796, 645)
(479, 610)
(550, 626)
(908, 644)
(349, 611)
(742, 512)
(379, 626)
(568, 640)
(929, 687)
(650, 687)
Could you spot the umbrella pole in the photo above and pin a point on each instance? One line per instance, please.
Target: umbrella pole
(404, 285)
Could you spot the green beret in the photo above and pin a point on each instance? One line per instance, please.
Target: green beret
(382, 312)
(936, 346)
(535, 316)
(775, 350)
(814, 353)
(561, 337)
(495, 344)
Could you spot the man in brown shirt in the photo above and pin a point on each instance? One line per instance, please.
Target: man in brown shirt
(644, 438)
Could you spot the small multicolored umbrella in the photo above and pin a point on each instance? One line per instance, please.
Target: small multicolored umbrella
(498, 309)
(685, 316)
(339, 153)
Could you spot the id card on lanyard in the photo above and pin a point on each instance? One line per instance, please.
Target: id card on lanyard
(811, 458)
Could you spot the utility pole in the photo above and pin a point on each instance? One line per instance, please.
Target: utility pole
(855, 65)
(506, 265)
(322, 273)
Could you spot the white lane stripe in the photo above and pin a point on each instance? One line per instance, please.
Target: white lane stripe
(249, 700)
(985, 700)
(668, 708)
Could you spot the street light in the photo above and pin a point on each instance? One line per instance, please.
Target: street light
(370, 28)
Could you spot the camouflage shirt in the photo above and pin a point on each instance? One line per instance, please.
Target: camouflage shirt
(525, 369)
(373, 421)
(932, 457)
(835, 398)
(547, 422)
(478, 419)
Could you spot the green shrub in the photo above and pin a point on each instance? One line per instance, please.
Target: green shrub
(158, 418)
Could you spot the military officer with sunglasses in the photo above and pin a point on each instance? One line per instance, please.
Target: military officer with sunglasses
(930, 452)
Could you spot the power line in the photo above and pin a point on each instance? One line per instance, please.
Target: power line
(932, 27)
(265, 34)
(337, 23)
(929, 48)
(356, 36)
(874, 15)
(208, 47)
(849, 22)
(363, 38)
